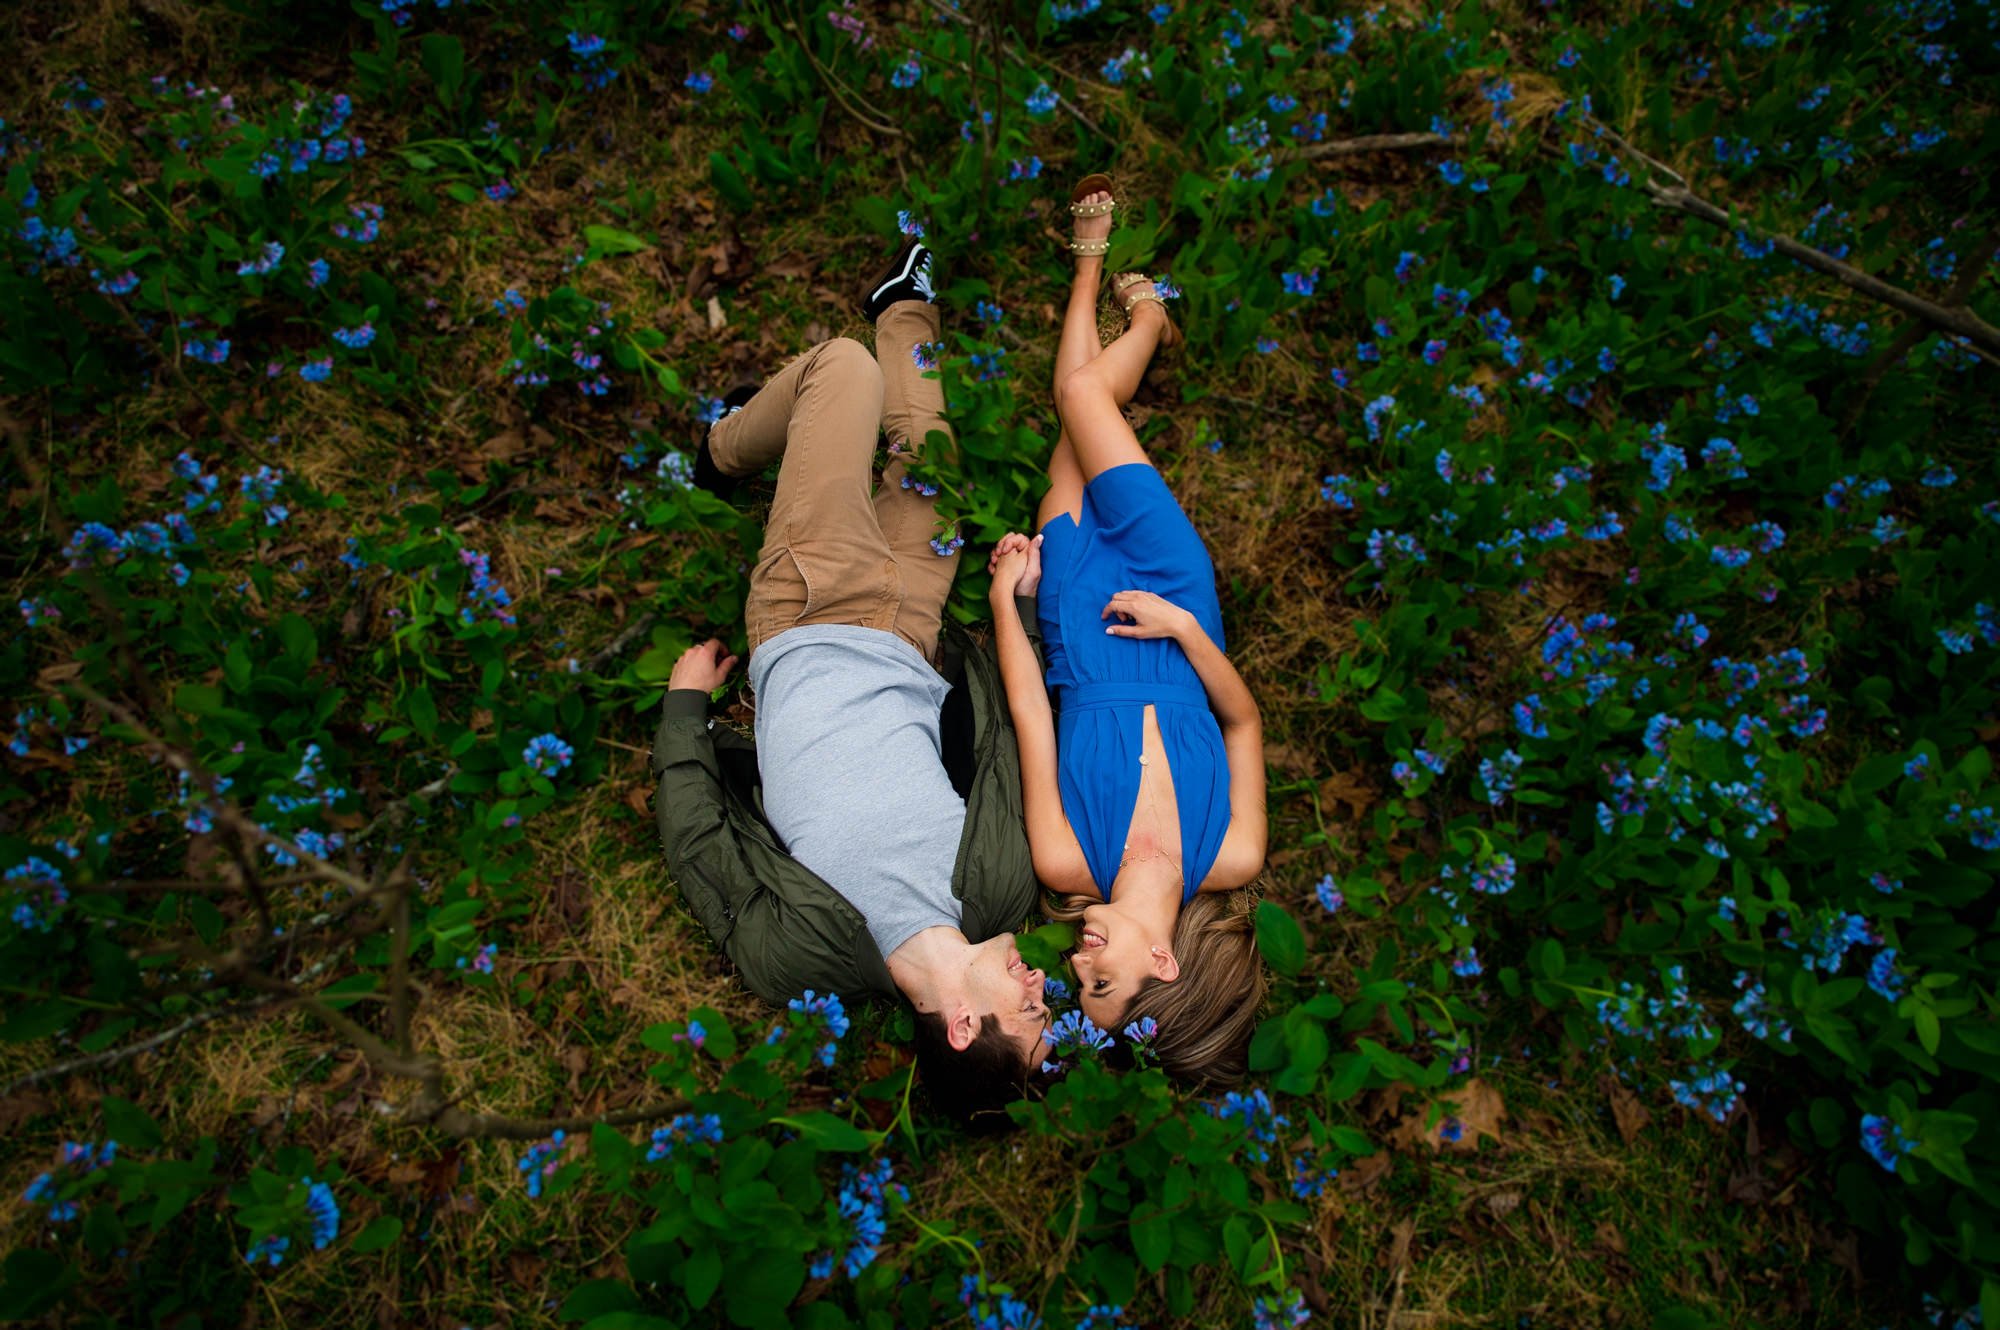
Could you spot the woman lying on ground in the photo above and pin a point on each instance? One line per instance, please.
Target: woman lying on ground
(1144, 787)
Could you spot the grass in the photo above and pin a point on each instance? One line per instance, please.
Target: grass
(1559, 1223)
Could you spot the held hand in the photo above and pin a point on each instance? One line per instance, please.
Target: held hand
(706, 667)
(1016, 566)
(1143, 614)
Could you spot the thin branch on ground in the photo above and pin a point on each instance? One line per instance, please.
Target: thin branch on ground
(1677, 197)
(946, 11)
(624, 639)
(1366, 143)
(840, 90)
(1912, 332)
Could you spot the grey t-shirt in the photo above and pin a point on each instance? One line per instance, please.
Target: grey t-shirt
(854, 779)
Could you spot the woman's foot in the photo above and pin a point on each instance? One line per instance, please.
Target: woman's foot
(1134, 291)
(1091, 203)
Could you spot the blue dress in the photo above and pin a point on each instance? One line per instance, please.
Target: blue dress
(1132, 535)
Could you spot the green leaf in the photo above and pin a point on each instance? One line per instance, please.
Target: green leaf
(598, 1297)
(199, 699)
(718, 1039)
(1152, 1236)
(729, 183)
(1280, 941)
(297, 636)
(37, 1020)
(611, 240)
(700, 1275)
(444, 61)
(423, 711)
(1925, 1019)
(1042, 948)
(827, 1132)
(381, 1231)
(129, 1125)
(346, 992)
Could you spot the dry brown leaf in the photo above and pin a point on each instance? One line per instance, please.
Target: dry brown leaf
(1503, 1203)
(51, 675)
(1347, 788)
(1475, 1107)
(1364, 1174)
(639, 798)
(1400, 1237)
(717, 319)
(1609, 1238)
(791, 265)
(1626, 1109)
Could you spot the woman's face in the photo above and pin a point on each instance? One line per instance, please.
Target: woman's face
(1113, 957)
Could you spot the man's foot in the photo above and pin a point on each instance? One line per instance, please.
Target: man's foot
(707, 475)
(907, 276)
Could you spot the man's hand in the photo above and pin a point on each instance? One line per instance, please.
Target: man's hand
(1143, 614)
(706, 667)
(1016, 566)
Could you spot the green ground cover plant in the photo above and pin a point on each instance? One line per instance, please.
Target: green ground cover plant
(1589, 406)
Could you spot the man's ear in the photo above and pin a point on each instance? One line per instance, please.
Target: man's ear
(961, 1027)
(1165, 965)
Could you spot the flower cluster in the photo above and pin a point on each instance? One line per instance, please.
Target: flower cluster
(73, 1162)
(483, 590)
(1072, 1034)
(541, 1162)
(863, 1203)
(547, 755)
(1259, 1119)
(829, 1014)
(996, 1310)
(684, 1129)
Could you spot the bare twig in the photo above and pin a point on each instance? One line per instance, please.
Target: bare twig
(399, 812)
(1676, 196)
(111, 1057)
(947, 12)
(1912, 332)
(1354, 147)
(624, 639)
(840, 90)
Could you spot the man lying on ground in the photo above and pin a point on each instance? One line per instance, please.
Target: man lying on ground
(885, 852)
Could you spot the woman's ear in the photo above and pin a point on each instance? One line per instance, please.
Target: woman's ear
(1165, 965)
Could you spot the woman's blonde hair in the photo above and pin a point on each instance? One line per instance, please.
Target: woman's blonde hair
(1205, 1017)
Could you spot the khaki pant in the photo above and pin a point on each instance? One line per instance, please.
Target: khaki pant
(839, 548)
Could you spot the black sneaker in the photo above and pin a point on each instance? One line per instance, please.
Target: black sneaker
(907, 276)
(707, 475)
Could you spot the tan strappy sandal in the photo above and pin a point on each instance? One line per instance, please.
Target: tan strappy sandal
(1130, 288)
(1095, 183)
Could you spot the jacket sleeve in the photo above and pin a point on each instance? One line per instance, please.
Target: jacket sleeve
(701, 847)
(1031, 621)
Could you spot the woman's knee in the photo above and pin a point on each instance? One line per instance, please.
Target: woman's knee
(1081, 384)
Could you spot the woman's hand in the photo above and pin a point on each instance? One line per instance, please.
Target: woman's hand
(1143, 614)
(1016, 566)
(706, 667)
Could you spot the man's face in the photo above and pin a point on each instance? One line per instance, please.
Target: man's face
(1000, 983)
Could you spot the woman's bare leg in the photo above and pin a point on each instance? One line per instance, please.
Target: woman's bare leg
(1076, 347)
(1090, 397)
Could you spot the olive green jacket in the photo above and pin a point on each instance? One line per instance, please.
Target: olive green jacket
(785, 928)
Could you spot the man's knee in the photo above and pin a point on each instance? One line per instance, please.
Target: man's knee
(848, 362)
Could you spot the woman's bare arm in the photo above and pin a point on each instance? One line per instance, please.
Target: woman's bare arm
(1142, 614)
(1058, 857)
